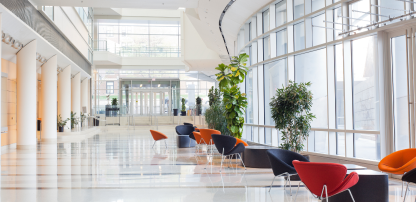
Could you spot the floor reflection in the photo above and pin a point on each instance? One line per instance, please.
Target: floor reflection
(122, 166)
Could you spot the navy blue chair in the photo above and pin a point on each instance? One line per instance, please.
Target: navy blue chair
(226, 147)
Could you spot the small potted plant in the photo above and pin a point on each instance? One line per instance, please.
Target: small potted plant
(74, 119)
(183, 111)
(83, 117)
(198, 105)
(114, 103)
(61, 123)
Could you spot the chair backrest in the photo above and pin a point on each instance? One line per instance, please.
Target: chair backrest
(158, 135)
(281, 160)
(240, 141)
(316, 175)
(223, 143)
(198, 137)
(188, 124)
(399, 158)
(206, 134)
(184, 129)
(410, 176)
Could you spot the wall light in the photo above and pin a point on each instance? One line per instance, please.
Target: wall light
(17, 44)
(7, 39)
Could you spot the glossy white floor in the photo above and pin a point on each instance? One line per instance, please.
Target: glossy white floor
(122, 167)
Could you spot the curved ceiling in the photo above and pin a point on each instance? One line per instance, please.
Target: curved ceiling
(152, 4)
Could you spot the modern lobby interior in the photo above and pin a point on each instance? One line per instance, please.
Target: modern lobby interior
(208, 100)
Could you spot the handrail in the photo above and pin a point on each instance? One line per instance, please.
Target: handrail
(326, 129)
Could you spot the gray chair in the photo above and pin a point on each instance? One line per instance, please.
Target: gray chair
(183, 139)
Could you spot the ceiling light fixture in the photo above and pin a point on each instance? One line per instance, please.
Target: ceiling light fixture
(158, 85)
(17, 44)
(7, 38)
(141, 85)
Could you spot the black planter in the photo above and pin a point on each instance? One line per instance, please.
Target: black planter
(183, 113)
(61, 129)
(175, 112)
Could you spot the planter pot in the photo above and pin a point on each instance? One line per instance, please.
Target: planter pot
(183, 113)
(175, 112)
(61, 129)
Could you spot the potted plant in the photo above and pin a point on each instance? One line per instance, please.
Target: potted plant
(114, 103)
(61, 123)
(74, 119)
(83, 117)
(198, 105)
(234, 101)
(213, 95)
(214, 115)
(183, 111)
(290, 109)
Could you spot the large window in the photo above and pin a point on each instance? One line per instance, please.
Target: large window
(298, 8)
(281, 15)
(266, 48)
(281, 42)
(318, 30)
(110, 87)
(311, 67)
(365, 97)
(339, 99)
(250, 97)
(299, 36)
(359, 14)
(275, 76)
(141, 38)
(266, 21)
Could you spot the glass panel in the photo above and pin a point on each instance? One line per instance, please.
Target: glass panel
(266, 48)
(400, 98)
(367, 146)
(49, 11)
(365, 84)
(299, 36)
(337, 15)
(341, 144)
(390, 8)
(281, 42)
(321, 142)
(281, 14)
(266, 21)
(275, 76)
(298, 8)
(339, 87)
(318, 30)
(359, 14)
(317, 4)
(249, 92)
(311, 67)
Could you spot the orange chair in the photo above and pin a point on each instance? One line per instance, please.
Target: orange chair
(399, 162)
(198, 139)
(158, 136)
(197, 129)
(240, 141)
(206, 135)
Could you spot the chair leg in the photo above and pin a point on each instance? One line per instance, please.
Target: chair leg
(402, 188)
(297, 191)
(222, 159)
(153, 144)
(272, 183)
(242, 162)
(351, 195)
(290, 185)
(405, 193)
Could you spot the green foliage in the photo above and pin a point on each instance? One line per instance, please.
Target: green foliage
(214, 95)
(83, 117)
(60, 122)
(214, 116)
(290, 109)
(198, 105)
(114, 101)
(183, 105)
(234, 101)
(74, 120)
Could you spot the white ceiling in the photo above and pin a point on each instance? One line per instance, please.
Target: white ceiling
(152, 4)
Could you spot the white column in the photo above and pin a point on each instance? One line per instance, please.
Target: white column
(134, 98)
(141, 103)
(76, 94)
(49, 98)
(84, 93)
(137, 103)
(26, 96)
(64, 95)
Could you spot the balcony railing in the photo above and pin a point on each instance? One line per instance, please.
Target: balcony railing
(131, 51)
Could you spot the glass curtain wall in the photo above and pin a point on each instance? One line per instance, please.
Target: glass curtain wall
(140, 38)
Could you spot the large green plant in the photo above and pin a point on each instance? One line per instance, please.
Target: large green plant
(198, 105)
(234, 101)
(183, 105)
(74, 119)
(214, 116)
(290, 109)
(214, 95)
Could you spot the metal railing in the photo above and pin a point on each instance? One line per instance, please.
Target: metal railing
(132, 51)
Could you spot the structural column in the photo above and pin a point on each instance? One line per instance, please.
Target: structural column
(76, 95)
(141, 103)
(26, 96)
(64, 95)
(84, 94)
(49, 98)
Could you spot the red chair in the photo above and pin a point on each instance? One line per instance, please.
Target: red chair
(325, 179)
(157, 136)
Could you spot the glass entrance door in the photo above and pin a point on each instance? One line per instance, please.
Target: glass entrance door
(150, 102)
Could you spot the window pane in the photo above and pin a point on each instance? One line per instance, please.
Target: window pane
(317, 4)
(365, 84)
(321, 142)
(390, 8)
(298, 9)
(249, 92)
(400, 99)
(266, 21)
(339, 85)
(318, 30)
(341, 144)
(359, 14)
(299, 36)
(266, 48)
(275, 75)
(281, 42)
(311, 67)
(337, 14)
(281, 14)
(367, 146)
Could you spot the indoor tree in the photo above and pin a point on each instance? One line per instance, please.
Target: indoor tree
(290, 109)
(234, 101)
